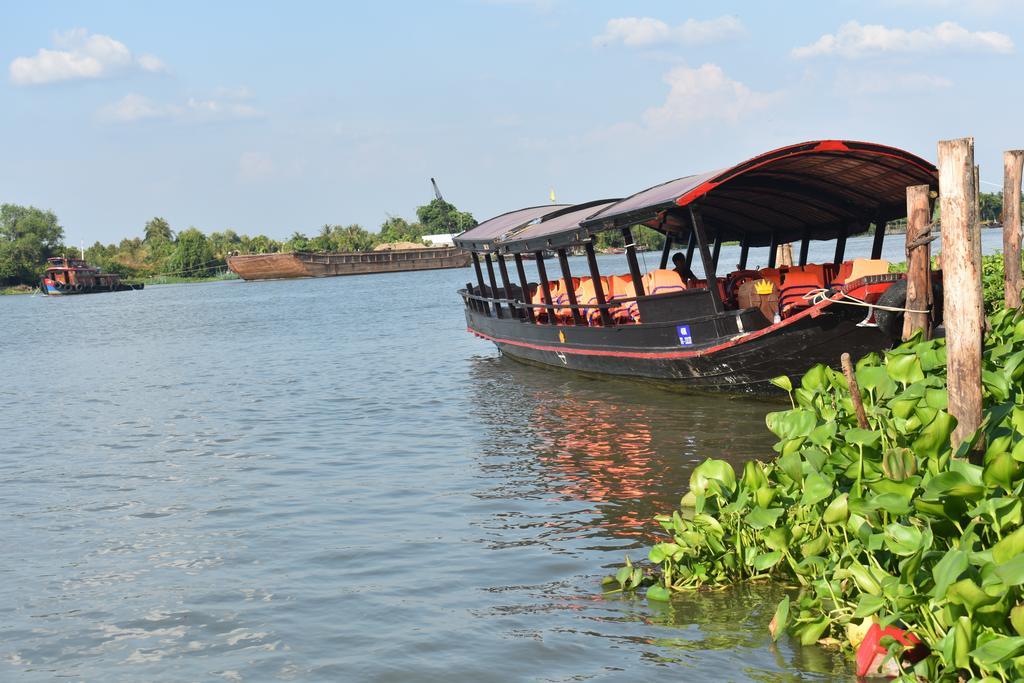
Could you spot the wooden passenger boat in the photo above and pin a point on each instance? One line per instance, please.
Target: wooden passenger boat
(64, 276)
(748, 326)
(310, 264)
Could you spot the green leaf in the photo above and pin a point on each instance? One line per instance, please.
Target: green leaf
(868, 605)
(904, 368)
(1010, 547)
(838, 510)
(1001, 470)
(861, 437)
(812, 631)
(816, 489)
(947, 570)
(782, 382)
(1011, 572)
(967, 593)
(781, 618)
(815, 379)
(903, 540)
(893, 503)
(1017, 619)
(760, 518)
(622, 576)
(766, 560)
(711, 471)
(659, 593)
(998, 650)
(778, 538)
(934, 438)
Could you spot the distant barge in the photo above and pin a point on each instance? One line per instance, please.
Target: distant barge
(65, 276)
(308, 264)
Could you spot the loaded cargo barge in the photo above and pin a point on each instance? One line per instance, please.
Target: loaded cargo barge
(308, 264)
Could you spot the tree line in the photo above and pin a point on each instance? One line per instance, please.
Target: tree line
(28, 236)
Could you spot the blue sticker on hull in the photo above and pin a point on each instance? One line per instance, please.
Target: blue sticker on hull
(685, 339)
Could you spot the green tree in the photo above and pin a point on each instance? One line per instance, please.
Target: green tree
(28, 236)
(396, 229)
(158, 230)
(193, 256)
(440, 216)
(297, 242)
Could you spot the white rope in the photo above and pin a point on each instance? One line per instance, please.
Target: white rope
(819, 295)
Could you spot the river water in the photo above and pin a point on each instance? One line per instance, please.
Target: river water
(330, 480)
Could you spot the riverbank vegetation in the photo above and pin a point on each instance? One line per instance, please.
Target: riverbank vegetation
(28, 236)
(882, 531)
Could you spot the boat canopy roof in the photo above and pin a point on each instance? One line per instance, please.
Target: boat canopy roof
(819, 190)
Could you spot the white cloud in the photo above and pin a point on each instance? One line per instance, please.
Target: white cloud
(878, 83)
(646, 31)
(705, 93)
(854, 40)
(82, 55)
(968, 6)
(255, 166)
(132, 108)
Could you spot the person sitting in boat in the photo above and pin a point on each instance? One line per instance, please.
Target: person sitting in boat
(680, 267)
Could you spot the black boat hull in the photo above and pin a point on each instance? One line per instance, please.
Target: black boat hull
(740, 363)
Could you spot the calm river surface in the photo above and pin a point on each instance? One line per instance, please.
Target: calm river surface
(330, 480)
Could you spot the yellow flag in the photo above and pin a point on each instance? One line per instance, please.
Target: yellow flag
(552, 195)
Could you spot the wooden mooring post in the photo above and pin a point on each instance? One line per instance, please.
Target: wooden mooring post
(919, 262)
(962, 304)
(1013, 163)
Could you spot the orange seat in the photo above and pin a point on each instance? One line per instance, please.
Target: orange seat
(773, 275)
(541, 314)
(587, 294)
(793, 290)
(701, 284)
(845, 268)
(663, 282)
(630, 311)
(562, 309)
(621, 287)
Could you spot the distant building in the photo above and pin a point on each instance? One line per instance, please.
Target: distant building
(442, 240)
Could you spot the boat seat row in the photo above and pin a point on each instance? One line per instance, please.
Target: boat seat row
(615, 287)
(795, 284)
(791, 289)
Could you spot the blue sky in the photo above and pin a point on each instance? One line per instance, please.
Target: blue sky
(275, 117)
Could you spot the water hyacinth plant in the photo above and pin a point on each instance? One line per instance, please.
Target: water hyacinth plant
(885, 532)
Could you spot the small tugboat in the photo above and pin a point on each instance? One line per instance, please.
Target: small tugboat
(731, 333)
(66, 275)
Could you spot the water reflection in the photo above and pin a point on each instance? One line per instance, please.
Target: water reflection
(604, 457)
(731, 621)
(624, 447)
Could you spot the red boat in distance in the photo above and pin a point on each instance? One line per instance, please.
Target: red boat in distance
(66, 275)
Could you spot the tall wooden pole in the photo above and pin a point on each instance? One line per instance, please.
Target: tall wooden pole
(1013, 163)
(962, 285)
(919, 258)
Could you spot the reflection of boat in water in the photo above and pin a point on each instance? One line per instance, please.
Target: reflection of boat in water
(618, 447)
(64, 276)
(730, 333)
